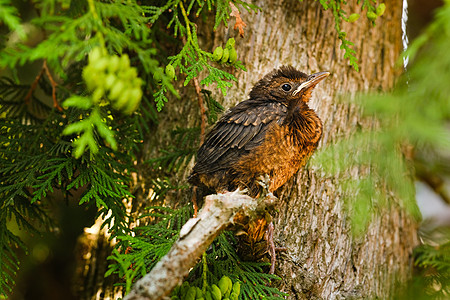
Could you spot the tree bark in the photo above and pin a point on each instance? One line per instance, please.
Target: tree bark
(323, 260)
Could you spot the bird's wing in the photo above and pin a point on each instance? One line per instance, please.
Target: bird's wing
(241, 129)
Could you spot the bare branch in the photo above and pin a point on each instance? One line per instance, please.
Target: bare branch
(36, 81)
(33, 87)
(196, 235)
(54, 85)
(202, 110)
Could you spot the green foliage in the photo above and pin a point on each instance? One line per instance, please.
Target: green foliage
(375, 162)
(434, 262)
(43, 150)
(184, 141)
(8, 257)
(214, 107)
(89, 144)
(339, 14)
(223, 260)
(431, 279)
(95, 57)
(180, 151)
(221, 289)
(9, 16)
(36, 164)
(143, 249)
(67, 31)
(192, 60)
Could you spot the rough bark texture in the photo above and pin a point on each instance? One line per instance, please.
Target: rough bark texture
(323, 260)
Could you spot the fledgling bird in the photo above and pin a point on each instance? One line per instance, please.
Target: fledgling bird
(273, 133)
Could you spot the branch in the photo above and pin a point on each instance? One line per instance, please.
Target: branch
(33, 87)
(202, 110)
(196, 235)
(36, 81)
(54, 84)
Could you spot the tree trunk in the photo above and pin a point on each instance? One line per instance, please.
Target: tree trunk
(323, 260)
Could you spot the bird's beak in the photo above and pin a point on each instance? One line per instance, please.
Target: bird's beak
(312, 80)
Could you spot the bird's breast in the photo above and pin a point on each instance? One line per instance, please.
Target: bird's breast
(284, 150)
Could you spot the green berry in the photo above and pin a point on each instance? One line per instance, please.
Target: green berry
(353, 17)
(95, 54)
(157, 76)
(170, 71)
(236, 288)
(184, 288)
(232, 56)
(134, 99)
(230, 43)
(123, 101)
(114, 63)
(223, 284)
(215, 292)
(100, 64)
(208, 295)
(226, 54)
(89, 77)
(217, 54)
(128, 74)
(380, 9)
(371, 15)
(198, 293)
(124, 62)
(116, 90)
(98, 94)
(110, 81)
(190, 295)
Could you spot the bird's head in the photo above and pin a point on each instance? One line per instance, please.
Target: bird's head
(287, 84)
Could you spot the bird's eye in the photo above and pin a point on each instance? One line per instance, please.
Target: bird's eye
(286, 87)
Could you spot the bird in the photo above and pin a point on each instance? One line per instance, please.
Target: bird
(270, 135)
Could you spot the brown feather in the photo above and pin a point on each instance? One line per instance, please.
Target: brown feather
(272, 133)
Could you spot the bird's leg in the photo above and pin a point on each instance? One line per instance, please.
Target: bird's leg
(269, 198)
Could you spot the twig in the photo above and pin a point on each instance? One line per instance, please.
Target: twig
(36, 81)
(54, 85)
(33, 87)
(202, 110)
(196, 235)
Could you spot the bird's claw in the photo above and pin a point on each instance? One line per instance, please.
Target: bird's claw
(266, 195)
(264, 181)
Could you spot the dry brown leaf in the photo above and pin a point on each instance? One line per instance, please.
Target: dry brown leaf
(239, 23)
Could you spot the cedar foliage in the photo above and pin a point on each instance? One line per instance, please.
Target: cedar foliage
(59, 135)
